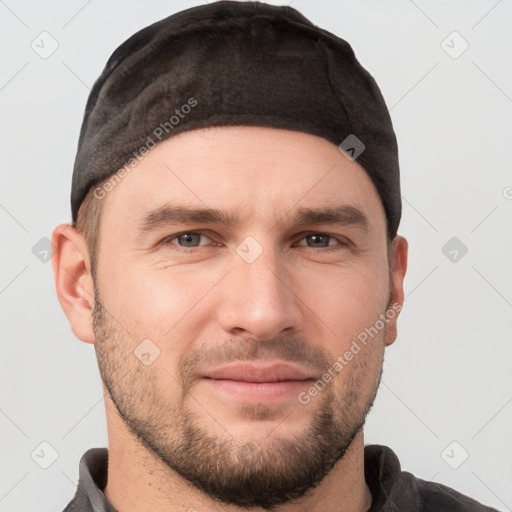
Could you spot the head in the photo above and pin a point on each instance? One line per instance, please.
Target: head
(203, 305)
(227, 245)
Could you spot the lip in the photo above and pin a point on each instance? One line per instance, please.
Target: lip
(259, 373)
(258, 383)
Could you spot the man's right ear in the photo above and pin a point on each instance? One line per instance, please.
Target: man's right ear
(73, 280)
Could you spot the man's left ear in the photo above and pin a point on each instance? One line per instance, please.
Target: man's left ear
(399, 250)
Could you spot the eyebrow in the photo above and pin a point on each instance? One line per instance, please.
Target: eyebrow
(342, 215)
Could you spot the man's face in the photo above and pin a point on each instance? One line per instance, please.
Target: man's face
(258, 292)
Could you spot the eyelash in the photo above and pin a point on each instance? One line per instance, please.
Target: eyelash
(341, 241)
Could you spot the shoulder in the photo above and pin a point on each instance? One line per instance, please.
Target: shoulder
(396, 490)
(435, 497)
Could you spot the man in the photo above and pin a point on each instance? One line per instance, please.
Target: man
(234, 259)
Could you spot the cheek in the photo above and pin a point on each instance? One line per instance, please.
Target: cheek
(158, 303)
(175, 303)
(349, 299)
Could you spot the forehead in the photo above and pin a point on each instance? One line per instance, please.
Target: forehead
(259, 173)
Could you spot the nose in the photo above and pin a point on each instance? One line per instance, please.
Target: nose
(260, 298)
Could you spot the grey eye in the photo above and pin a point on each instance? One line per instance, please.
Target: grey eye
(323, 240)
(189, 239)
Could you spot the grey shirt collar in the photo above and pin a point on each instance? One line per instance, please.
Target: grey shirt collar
(92, 480)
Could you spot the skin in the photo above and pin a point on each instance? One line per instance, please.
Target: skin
(174, 443)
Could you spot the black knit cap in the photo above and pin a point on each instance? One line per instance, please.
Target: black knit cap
(234, 63)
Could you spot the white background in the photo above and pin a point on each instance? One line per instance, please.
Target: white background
(447, 377)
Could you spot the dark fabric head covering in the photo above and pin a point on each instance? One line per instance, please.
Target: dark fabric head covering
(234, 63)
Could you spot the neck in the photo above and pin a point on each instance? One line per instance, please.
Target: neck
(137, 479)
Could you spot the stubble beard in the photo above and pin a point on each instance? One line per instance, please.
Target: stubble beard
(249, 474)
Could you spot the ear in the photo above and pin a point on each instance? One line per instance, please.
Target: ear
(73, 280)
(399, 251)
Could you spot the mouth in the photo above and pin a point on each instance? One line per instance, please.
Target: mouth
(258, 383)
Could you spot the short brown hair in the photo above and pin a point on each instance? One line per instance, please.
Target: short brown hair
(88, 224)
